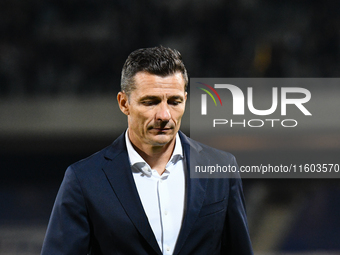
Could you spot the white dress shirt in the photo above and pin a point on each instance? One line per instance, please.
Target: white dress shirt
(162, 196)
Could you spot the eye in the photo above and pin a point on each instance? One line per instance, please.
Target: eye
(149, 102)
(174, 101)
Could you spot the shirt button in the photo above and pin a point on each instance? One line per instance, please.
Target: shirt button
(167, 248)
(166, 212)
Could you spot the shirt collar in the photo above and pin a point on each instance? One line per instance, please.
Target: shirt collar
(138, 163)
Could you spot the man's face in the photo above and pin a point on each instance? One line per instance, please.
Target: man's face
(154, 108)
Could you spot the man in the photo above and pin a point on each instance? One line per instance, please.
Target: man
(136, 196)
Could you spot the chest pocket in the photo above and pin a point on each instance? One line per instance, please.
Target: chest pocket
(213, 208)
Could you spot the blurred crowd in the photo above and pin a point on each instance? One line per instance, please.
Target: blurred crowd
(78, 47)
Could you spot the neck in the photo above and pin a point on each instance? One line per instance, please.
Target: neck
(156, 156)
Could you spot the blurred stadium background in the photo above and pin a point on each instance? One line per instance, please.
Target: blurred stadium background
(60, 64)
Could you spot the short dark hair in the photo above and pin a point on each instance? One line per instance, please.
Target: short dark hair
(160, 61)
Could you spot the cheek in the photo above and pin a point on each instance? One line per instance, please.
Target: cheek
(142, 119)
(177, 115)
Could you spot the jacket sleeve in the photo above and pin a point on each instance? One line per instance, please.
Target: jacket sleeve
(68, 231)
(236, 239)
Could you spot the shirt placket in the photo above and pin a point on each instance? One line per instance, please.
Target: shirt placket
(165, 214)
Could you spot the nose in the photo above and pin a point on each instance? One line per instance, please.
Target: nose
(163, 112)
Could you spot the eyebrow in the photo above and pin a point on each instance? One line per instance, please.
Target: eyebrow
(149, 98)
(157, 97)
(177, 97)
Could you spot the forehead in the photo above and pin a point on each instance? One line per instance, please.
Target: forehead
(146, 83)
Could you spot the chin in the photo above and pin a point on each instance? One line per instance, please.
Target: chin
(161, 141)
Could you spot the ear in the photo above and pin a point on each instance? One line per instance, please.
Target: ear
(123, 102)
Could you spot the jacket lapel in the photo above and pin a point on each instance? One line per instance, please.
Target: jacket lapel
(119, 174)
(196, 188)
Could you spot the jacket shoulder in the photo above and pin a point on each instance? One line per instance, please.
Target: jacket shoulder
(99, 159)
(206, 149)
(92, 160)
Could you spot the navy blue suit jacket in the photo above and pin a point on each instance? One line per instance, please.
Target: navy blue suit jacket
(98, 210)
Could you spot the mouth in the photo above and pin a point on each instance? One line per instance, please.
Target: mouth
(161, 129)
